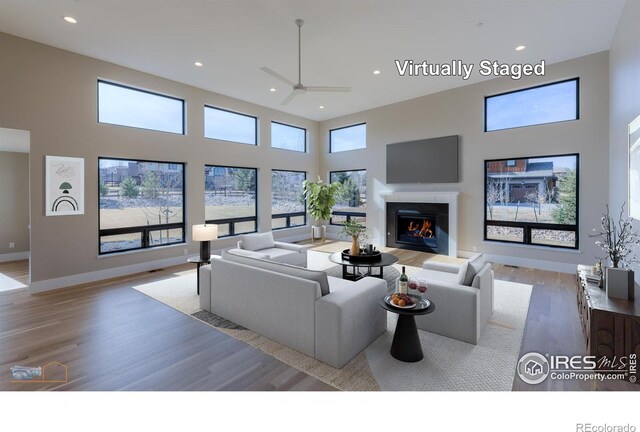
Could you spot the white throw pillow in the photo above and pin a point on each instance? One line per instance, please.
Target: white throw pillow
(474, 265)
(462, 273)
(256, 242)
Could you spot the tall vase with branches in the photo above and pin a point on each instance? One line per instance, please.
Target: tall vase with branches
(618, 241)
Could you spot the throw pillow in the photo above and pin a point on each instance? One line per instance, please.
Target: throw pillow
(474, 265)
(462, 273)
(255, 242)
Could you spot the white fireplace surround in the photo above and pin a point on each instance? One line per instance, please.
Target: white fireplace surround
(450, 198)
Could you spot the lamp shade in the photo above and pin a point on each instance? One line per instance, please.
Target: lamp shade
(205, 232)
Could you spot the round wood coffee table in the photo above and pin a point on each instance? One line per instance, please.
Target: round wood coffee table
(384, 261)
(406, 345)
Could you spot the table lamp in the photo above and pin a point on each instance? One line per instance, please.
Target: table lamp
(204, 234)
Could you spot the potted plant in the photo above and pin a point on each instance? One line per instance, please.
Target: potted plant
(357, 232)
(618, 240)
(321, 197)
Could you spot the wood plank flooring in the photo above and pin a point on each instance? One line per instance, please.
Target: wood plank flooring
(112, 337)
(18, 270)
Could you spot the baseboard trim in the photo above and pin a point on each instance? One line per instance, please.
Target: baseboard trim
(15, 256)
(83, 278)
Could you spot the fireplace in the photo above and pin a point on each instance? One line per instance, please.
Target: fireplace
(418, 226)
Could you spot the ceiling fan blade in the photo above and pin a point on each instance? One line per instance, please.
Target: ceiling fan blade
(327, 89)
(290, 97)
(276, 75)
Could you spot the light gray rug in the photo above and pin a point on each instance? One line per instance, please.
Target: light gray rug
(449, 365)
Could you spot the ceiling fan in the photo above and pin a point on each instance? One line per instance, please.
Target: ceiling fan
(299, 88)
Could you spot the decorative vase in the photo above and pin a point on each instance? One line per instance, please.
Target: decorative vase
(620, 283)
(317, 232)
(355, 246)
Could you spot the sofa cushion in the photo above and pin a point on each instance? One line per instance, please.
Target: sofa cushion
(462, 272)
(434, 275)
(474, 265)
(256, 242)
(291, 270)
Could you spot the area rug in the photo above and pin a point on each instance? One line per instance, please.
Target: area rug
(449, 365)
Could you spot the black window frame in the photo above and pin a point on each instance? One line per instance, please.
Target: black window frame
(346, 127)
(232, 221)
(129, 87)
(347, 214)
(288, 216)
(577, 81)
(255, 125)
(291, 126)
(527, 227)
(144, 230)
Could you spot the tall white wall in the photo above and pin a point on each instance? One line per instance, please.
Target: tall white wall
(461, 112)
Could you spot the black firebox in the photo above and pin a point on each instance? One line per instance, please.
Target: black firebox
(418, 226)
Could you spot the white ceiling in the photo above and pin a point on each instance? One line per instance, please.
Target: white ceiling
(343, 41)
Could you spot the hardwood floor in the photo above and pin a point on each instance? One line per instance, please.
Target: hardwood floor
(111, 337)
(18, 270)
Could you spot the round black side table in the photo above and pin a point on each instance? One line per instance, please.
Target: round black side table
(406, 345)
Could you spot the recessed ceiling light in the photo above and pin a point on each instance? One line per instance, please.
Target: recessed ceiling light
(376, 72)
(480, 24)
(199, 64)
(272, 89)
(520, 47)
(321, 106)
(70, 20)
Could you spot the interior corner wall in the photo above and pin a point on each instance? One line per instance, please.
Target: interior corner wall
(14, 202)
(624, 71)
(460, 111)
(53, 94)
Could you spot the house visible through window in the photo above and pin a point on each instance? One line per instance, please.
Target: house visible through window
(226, 125)
(230, 199)
(126, 106)
(288, 206)
(547, 103)
(351, 203)
(348, 138)
(141, 204)
(533, 201)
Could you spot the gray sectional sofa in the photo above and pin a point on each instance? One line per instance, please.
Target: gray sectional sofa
(327, 318)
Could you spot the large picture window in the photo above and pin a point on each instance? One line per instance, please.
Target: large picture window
(351, 203)
(126, 106)
(288, 206)
(348, 138)
(533, 200)
(549, 103)
(226, 125)
(288, 137)
(141, 204)
(230, 199)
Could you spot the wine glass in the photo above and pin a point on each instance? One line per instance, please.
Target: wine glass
(413, 284)
(422, 287)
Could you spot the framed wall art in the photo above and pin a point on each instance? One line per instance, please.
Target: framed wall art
(64, 186)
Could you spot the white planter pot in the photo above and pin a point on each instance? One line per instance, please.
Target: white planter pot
(620, 283)
(318, 231)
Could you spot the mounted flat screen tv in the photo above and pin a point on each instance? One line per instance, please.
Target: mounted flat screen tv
(432, 160)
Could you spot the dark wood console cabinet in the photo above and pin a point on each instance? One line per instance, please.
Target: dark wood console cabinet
(611, 327)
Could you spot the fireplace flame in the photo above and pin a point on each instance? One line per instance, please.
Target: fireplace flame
(424, 231)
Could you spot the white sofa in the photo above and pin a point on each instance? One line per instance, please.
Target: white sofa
(327, 318)
(463, 295)
(263, 246)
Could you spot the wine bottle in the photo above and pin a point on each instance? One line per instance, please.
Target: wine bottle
(403, 282)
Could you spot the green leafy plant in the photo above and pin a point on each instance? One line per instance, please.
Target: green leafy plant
(354, 229)
(321, 197)
(151, 185)
(104, 189)
(129, 188)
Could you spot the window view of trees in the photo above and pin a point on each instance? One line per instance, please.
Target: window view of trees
(141, 204)
(533, 200)
(230, 199)
(351, 202)
(288, 207)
